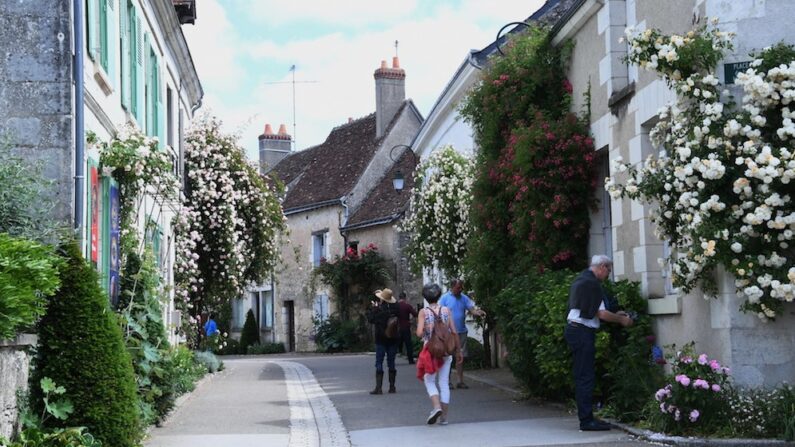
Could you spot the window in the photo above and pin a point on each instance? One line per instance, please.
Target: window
(319, 247)
(266, 298)
(321, 307)
(99, 25)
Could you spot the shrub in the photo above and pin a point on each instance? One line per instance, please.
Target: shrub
(55, 406)
(186, 370)
(28, 274)
(477, 356)
(208, 360)
(335, 334)
(145, 335)
(232, 347)
(532, 314)
(81, 347)
(250, 334)
(695, 397)
(267, 348)
(763, 413)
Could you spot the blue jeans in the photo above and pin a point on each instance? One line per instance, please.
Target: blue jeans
(582, 342)
(390, 350)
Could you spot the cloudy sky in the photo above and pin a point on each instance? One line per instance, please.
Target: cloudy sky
(243, 49)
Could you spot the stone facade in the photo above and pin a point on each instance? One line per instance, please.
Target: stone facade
(14, 366)
(623, 103)
(36, 99)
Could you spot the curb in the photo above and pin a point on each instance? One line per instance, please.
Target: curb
(683, 441)
(646, 435)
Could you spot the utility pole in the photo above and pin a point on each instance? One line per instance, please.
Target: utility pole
(293, 82)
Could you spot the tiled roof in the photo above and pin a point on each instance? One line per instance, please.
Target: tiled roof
(384, 204)
(330, 170)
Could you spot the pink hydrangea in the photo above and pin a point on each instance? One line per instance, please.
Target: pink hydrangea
(701, 383)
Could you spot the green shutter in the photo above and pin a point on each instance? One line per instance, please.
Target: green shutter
(103, 34)
(149, 87)
(92, 35)
(112, 48)
(124, 37)
(140, 115)
(160, 117)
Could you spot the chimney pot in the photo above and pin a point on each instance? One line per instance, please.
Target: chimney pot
(350, 120)
(395, 62)
(383, 64)
(268, 130)
(282, 129)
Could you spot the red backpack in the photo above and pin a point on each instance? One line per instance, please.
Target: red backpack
(442, 341)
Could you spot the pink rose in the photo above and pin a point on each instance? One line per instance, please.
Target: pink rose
(694, 415)
(702, 359)
(715, 387)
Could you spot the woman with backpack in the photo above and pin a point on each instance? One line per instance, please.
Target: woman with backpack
(384, 318)
(435, 326)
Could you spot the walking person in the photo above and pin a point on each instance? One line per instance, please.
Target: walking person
(435, 373)
(405, 313)
(382, 310)
(459, 304)
(587, 307)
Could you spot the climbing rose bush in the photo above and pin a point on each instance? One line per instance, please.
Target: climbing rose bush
(439, 216)
(721, 184)
(227, 232)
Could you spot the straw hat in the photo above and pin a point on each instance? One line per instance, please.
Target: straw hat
(385, 295)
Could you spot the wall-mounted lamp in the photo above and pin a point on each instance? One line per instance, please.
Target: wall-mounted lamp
(499, 33)
(398, 181)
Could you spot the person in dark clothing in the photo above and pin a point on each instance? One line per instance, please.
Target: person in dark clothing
(382, 310)
(587, 306)
(405, 312)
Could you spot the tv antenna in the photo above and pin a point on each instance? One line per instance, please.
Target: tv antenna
(293, 82)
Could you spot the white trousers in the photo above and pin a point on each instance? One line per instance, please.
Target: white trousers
(443, 388)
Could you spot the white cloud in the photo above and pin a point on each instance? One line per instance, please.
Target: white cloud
(434, 40)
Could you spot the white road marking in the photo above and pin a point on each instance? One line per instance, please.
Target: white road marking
(314, 421)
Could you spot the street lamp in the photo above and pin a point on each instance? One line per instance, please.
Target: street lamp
(499, 33)
(398, 181)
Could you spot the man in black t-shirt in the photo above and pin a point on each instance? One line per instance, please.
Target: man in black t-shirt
(587, 306)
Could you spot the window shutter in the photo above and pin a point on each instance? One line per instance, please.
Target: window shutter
(125, 55)
(92, 34)
(148, 128)
(112, 41)
(102, 40)
(139, 73)
(325, 245)
(161, 116)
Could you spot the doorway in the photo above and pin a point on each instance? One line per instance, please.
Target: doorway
(289, 306)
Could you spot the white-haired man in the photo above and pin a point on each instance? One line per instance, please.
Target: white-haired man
(587, 307)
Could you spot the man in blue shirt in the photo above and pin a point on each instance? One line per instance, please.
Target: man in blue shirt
(210, 328)
(459, 304)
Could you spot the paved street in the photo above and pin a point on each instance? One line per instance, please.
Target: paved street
(323, 401)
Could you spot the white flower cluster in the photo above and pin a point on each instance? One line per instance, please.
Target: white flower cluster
(439, 216)
(233, 218)
(721, 181)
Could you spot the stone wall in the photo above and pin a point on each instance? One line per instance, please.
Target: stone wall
(36, 89)
(14, 365)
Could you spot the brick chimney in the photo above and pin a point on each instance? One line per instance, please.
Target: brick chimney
(273, 147)
(390, 92)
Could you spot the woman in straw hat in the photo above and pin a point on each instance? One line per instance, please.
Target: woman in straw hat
(385, 344)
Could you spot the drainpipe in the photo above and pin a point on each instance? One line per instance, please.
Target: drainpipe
(344, 203)
(80, 138)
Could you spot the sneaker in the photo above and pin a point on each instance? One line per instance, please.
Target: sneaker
(594, 426)
(462, 385)
(435, 414)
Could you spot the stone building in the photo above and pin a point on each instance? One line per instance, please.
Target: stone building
(71, 67)
(624, 105)
(339, 195)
